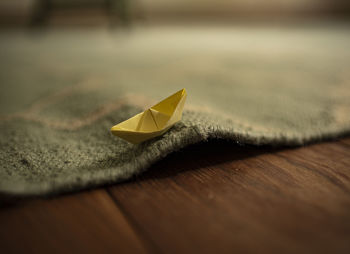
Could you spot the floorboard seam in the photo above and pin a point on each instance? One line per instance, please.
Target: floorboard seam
(148, 243)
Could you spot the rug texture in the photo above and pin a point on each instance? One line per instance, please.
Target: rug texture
(61, 91)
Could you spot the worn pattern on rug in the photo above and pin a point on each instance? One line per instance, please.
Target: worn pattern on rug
(62, 91)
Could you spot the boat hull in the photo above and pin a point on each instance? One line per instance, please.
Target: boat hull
(154, 121)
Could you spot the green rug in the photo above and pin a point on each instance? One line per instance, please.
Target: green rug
(61, 91)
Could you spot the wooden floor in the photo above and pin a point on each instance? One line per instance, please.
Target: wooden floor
(209, 198)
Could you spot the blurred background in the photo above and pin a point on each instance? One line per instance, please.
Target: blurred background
(114, 13)
(257, 53)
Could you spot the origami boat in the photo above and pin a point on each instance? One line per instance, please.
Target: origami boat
(154, 121)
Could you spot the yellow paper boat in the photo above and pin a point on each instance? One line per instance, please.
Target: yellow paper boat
(152, 122)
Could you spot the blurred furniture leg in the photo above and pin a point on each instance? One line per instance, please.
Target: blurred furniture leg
(118, 11)
(115, 10)
(40, 13)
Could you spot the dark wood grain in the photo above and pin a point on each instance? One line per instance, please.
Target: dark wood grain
(215, 197)
(225, 198)
(88, 222)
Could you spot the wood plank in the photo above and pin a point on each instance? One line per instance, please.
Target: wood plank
(88, 222)
(222, 198)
